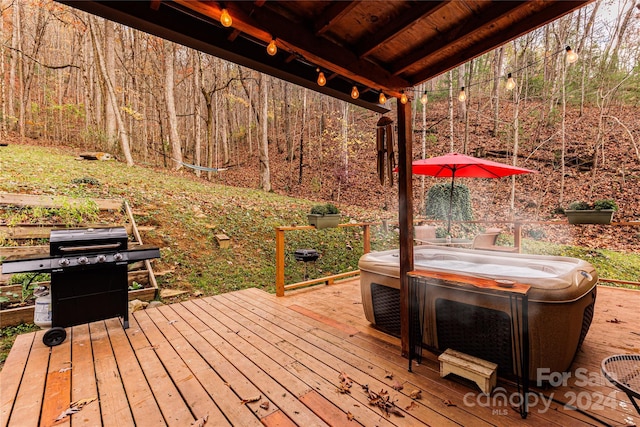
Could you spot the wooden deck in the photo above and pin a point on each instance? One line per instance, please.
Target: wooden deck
(248, 358)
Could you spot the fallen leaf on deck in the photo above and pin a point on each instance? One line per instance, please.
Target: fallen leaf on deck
(389, 375)
(412, 405)
(350, 416)
(67, 412)
(397, 386)
(251, 399)
(64, 370)
(614, 320)
(75, 407)
(345, 383)
(200, 422)
(448, 402)
(416, 394)
(265, 405)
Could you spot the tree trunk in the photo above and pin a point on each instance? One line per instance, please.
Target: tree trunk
(124, 138)
(197, 124)
(304, 120)
(265, 175)
(451, 112)
(172, 118)
(110, 60)
(498, 58)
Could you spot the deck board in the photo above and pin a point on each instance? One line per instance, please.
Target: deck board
(200, 358)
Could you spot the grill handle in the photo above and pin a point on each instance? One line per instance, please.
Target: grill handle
(89, 248)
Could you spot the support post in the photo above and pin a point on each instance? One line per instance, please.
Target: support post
(366, 237)
(405, 218)
(517, 236)
(279, 262)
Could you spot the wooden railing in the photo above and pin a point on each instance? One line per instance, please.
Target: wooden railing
(281, 287)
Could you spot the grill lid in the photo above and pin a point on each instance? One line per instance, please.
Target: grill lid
(87, 240)
(306, 255)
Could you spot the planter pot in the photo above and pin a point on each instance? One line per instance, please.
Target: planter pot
(589, 216)
(324, 221)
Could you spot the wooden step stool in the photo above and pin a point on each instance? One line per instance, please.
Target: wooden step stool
(482, 372)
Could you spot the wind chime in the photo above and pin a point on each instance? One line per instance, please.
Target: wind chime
(386, 161)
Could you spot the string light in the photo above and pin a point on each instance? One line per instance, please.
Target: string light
(423, 98)
(225, 18)
(272, 49)
(321, 78)
(511, 84)
(571, 55)
(462, 96)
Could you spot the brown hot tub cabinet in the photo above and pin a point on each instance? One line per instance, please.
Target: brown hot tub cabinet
(468, 319)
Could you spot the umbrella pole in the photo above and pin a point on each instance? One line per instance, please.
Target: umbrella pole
(453, 177)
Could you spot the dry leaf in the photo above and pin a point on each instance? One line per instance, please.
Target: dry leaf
(350, 416)
(251, 399)
(448, 402)
(397, 386)
(67, 412)
(75, 407)
(412, 405)
(416, 394)
(64, 370)
(614, 320)
(265, 405)
(344, 389)
(388, 375)
(200, 422)
(344, 378)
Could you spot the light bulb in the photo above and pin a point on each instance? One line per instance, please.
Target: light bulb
(272, 49)
(321, 79)
(354, 93)
(225, 18)
(423, 98)
(511, 84)
(571, 55)
(382, 99)
(403, 98)
(462, 96)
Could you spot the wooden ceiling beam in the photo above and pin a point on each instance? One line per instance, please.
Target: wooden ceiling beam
(540, 18)
(297, 39)
(421, 10)
(468, 28)
(335, 10)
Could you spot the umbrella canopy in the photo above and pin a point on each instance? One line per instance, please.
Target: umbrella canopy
(455, 165)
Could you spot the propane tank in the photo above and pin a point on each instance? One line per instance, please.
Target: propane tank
(42, 310)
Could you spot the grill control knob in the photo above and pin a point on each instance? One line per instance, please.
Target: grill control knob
(117, 256)
(64, 262)
(101, 258)
(83, 260)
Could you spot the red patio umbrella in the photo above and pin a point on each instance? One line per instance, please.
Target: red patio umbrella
(455, 165)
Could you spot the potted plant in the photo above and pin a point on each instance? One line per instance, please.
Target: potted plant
(324, 216)
(600, 212)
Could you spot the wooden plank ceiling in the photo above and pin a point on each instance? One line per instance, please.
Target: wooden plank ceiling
(387, 46)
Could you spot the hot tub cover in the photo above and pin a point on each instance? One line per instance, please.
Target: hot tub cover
(552, 278)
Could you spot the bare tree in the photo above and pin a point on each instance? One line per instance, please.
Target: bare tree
(124, 137)
(110, 62)
(265, 174)
(172, 118)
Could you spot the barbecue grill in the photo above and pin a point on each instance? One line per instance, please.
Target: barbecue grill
(88, 269)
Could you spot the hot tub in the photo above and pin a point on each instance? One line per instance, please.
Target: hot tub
(468, 319)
